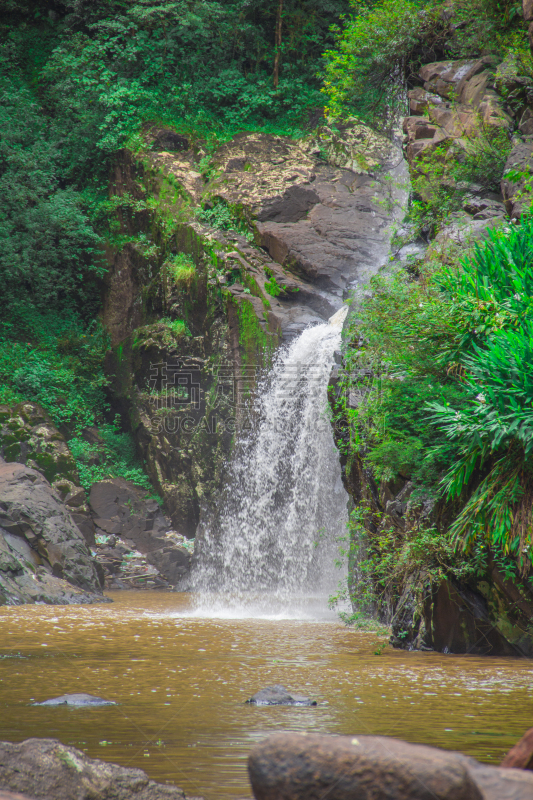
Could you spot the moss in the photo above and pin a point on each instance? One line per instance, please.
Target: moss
(55, 466)
(257, 346)
(12, 451)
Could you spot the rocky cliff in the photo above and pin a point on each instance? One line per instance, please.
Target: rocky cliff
(214, 262)
(225, 261)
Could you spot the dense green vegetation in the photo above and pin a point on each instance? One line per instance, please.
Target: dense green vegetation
(386, 40)
(445, 366)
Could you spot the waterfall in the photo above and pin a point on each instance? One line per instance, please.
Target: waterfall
(276, 534)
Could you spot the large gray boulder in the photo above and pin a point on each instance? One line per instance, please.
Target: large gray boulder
(45, 769)
(291, 766)
(43, 554)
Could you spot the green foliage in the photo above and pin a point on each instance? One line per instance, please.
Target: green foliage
(177, 326)
(114, 456)
(406, 326)
(273, 288)
(203, 65)
(494, 475)
(182, 269)
(447, 369)
(221, 216)
(47, 245)
(384, 43)
(374, 51)
(56, 361)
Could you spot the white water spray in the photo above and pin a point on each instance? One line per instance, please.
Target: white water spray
(284, 509)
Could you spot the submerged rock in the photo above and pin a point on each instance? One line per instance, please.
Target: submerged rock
(46, 769)
(310, 767)
(279, 696)
(76, 700)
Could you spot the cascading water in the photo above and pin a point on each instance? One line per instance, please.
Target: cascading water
(275, 537)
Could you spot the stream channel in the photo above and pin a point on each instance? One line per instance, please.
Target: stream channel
(181, 680)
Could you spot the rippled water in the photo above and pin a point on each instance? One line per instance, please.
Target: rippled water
(182, 680)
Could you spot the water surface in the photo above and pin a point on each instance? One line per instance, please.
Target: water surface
(181, 679)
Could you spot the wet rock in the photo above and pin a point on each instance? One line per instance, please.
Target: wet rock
(279, 696)
(46, 769)
(76, 700)
(135, 542)
(521, 755)
(517, 190)
(310, 767)
(43, 555)
(321, 222)
(298, 767)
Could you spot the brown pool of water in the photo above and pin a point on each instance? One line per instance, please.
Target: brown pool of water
(181, 683)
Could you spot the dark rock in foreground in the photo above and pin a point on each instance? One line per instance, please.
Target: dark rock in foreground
(279, 696)
(290, 766)
(45, 769)
(80, 699)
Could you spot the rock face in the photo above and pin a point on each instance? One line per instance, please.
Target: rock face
(299, 231)
(517, 181)
(279, 696)
(77, 700)
(43, 555)
(457, 97)
(46, 769)
(129, 526)
(28, 436)
(311, 767)
(318, 221)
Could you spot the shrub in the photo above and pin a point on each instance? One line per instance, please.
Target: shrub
(448, 358)
(383, 44)
(56, 361)
(113, 457)
(47, 245)
(182, 269)
(375, 51)
(177, 326)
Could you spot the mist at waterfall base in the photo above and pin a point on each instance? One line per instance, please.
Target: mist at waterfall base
(271, 550)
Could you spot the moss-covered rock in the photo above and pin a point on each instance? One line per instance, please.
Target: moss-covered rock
(28, 436)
